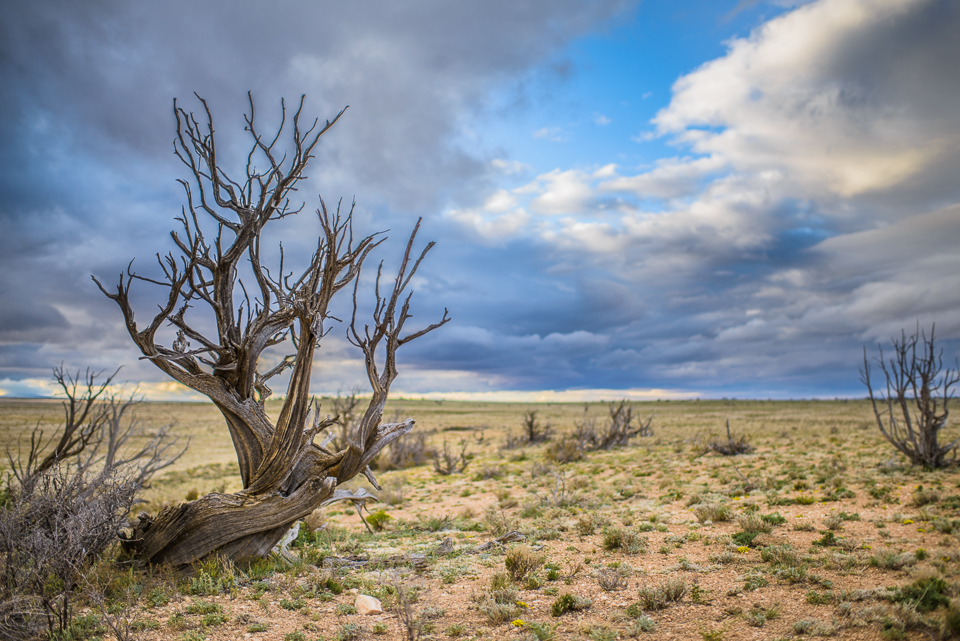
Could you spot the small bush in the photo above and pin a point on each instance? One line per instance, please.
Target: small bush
(520, 561)
(378, 520)
(658, 598)
(925, 595)
(619, 538)
(611, 579)
(774, 519)
(542, 631)
(713, 512)
(734, 445)
(569, 603)
(450, 461)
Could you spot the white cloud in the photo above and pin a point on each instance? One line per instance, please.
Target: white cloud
(672, 178)
(601, 120)
(843, 96)
(563, 192)
(553, 134)
(509, 166)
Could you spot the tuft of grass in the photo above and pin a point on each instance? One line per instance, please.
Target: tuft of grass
(715, 512)
(521, 561)
(569, 603)
(658, 598)
(620, 538)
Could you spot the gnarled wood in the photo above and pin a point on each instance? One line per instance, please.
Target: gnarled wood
(285, 474)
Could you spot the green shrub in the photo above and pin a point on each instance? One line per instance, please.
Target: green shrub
(569, 603)
(925, 595)
(774, 519)
(378, 520)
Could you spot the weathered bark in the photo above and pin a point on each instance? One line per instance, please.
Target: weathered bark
(285, 474)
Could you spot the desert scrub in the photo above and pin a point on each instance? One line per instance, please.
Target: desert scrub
(925, 595)
(586, 524)
(521, 561)
(642, 624)
(780, 555)
(611, 579)
(751, 526)
(714, 512)
(658, 598)
(569, 603)
(620, 538)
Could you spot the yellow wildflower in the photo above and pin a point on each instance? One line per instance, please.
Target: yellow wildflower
(743, 549)
(518, 623)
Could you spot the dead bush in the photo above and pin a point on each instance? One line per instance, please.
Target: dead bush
(533, 430)
(616, 432)
(915, 378)
(733, 446)
(67, 501)
(451, 462)
(52, 529)
(410, 450)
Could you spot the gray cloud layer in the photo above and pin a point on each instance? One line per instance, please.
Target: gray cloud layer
(87, 176)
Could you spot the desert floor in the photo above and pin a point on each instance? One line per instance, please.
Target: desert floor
(820, 531)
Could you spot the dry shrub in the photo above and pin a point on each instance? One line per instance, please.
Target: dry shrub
(451, 462)
(915, 379)
(521, 561)
(564, 450)
(533, 430)
(713, 512)
(410, 450)
(616, 432)
(611, 579)
(733, 446)
(52, 529)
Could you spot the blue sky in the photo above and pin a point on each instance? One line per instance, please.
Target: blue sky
(645, 200)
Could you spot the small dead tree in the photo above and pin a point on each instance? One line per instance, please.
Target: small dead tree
(534, 430)
(617, 431)
(735, 444)
(913, 410)
(345, 407)
(95, 437)
(83, 418)
(219, 267)
(449, 461)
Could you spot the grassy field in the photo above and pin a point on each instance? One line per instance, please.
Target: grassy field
(820, 531)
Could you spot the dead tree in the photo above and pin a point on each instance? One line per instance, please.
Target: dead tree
(83, 418)
(285, 474)
(345, 407)
(617, 432)
(94, 438)
(914, 408)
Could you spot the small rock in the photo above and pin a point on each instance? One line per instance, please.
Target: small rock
(446, 546)
(366, 604)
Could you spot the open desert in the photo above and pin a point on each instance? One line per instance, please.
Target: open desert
(819, 531)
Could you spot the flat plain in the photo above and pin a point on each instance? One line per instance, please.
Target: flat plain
(820, 531)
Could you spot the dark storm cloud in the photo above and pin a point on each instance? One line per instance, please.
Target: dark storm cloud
(86, 167)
